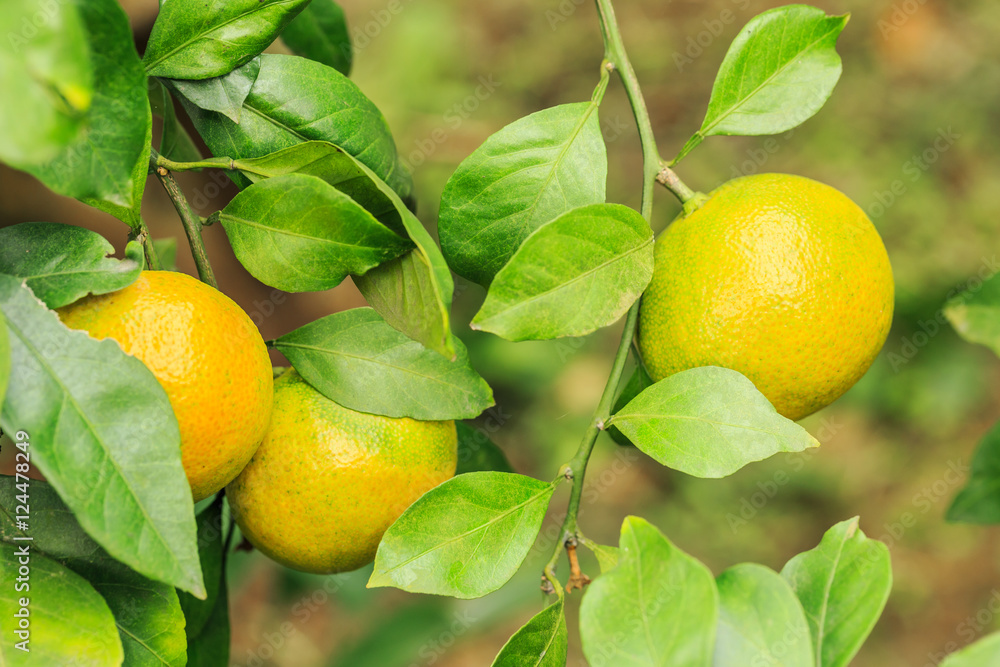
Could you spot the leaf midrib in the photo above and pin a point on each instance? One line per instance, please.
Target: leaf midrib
(215, 28)
(92, 429)
(566, 284)
(483, 526)
(729, 112)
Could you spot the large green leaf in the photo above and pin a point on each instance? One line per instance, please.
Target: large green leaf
(362, 363)
(975, 314)
(657, 607)
(200, 39)
(324, 160)
(224, 94)
(572, 276)
(708, 422)
(86, 405)
(300, 234)
(525, 175)
(320, 33)
(477, 453)
(983, 653)
(207, 621)
(46, 81)
(843, 585)
(761, 622)
(542, 642)
(779, 71)
(175, 142)
(464, 538)
(63, 263)
(413, 292)
(106, 165)
(295, 100)
(68, 623)
(147, 613)
(979, 501)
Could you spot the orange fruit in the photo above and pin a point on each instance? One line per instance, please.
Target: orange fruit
(328, 481)
(208, 356)
(778, 277)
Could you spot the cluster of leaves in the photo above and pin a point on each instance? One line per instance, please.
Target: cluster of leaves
(116, 537)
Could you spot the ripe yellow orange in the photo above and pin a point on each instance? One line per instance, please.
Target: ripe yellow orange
(208, 356)
(328, 481)
(779, 277)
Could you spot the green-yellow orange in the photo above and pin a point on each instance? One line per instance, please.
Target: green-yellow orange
(208, 356)
(327, 481)
(779, 277)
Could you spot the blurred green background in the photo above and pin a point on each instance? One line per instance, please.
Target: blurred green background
(909, 134)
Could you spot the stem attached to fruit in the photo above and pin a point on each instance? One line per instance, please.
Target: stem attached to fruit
(576, 469)
(669, 179)
(192, 223)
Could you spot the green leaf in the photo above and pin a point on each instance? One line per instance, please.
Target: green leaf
(843, 585)
(979, 501)
(525, 175)
(477, 453)
(336, 167)
(46, 81)
(166, 250)
(708, 422)
(175, 142)
(779, 71)
(542, 642)
(4, 358)
(658, 607)
(320, 33)
(465, 538)
(297, 233)
(147, 613)
(983, 653)
(295, 100)
(760, 621)
(70, 624)
(356, 359)
(72, 393)
(63, 263)
(572, 276)
(106, 165)
(200, 39)
(607, 557)
(637, 383)
(207, 621)
(224, 94)
(211, 647)
(413, 292)
(975, 314)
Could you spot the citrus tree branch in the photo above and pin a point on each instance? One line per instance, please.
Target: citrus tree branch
(141, 234)
(616, 59)
(211, 163)
(192, 223)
